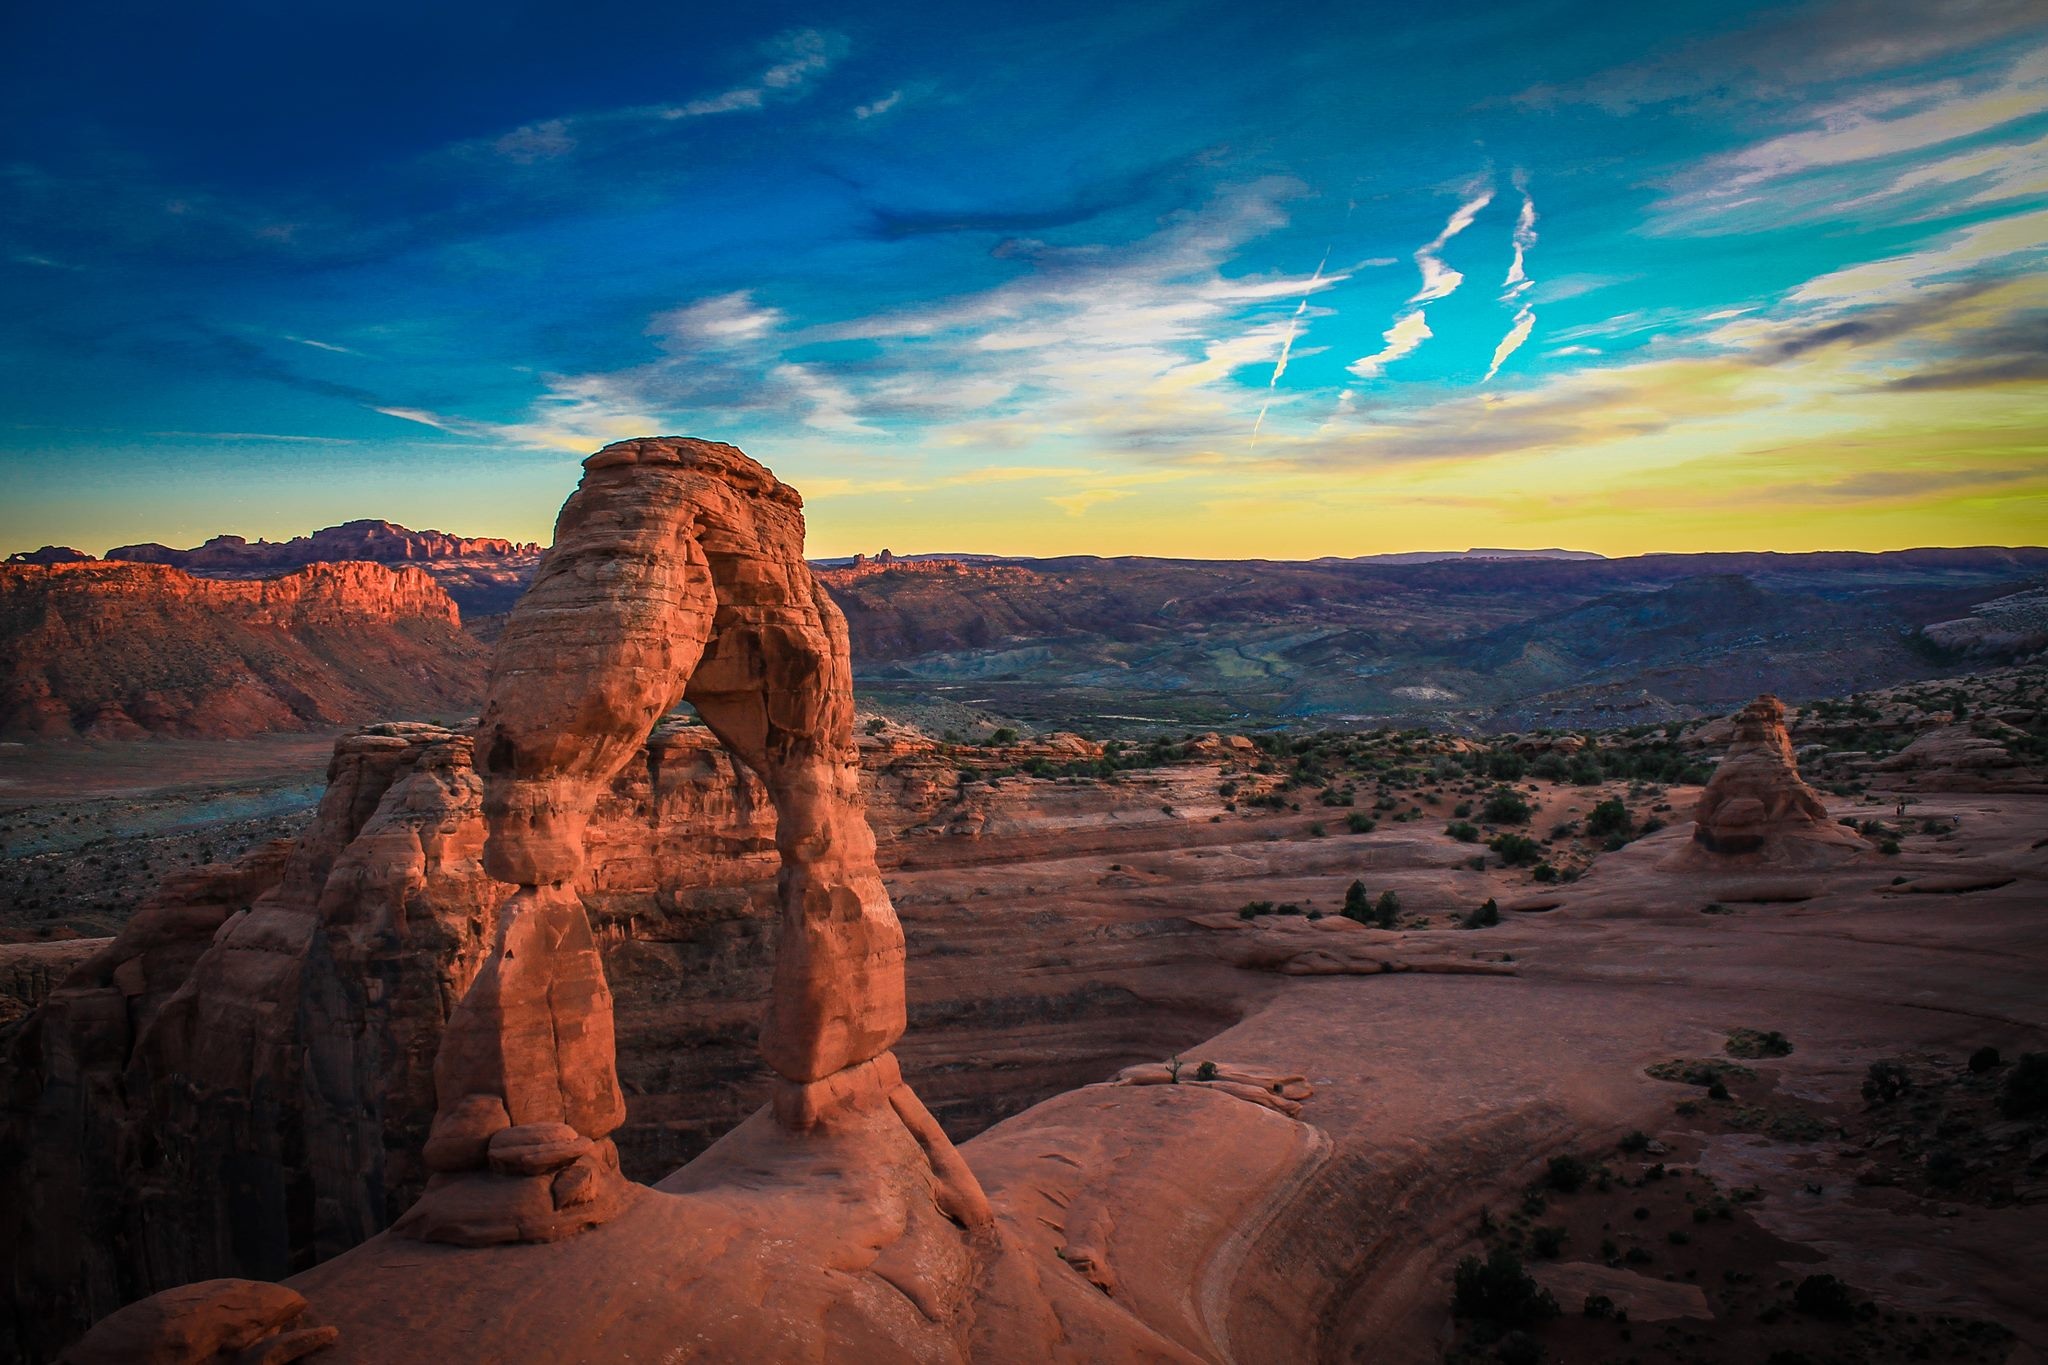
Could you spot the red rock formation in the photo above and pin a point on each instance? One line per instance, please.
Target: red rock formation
(677, 573)
(1757, 804)
(51, 554)
(120, 650)
(380, 542)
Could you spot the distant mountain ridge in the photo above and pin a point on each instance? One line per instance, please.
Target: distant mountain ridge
(378, 542)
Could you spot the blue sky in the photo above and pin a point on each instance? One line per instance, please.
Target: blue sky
(1164, 278)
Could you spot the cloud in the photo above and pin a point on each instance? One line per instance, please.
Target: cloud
(1409, 331)
(795, 58)
(876, 108)
(1078, 504)
(1517, 282)
(321, 345)
(1517, 279)
(1439, 281)
(541, 141)
(1525, 322)
(1846, 136)
(722, 320)
(1287, 342)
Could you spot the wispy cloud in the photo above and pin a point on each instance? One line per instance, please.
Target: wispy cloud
(1865, 134)
(321, 345)
(1409, 331)
(876, 108)
(796, 59)
(1439, 281)
(1517, 282)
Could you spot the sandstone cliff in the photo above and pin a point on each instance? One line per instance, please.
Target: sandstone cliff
(119, 651)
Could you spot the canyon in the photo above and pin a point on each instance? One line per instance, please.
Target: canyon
(1199, 1094)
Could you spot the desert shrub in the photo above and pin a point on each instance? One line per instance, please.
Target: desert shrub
(1598, 1306)
(1505, 806)
(1697, 1070)
(1566, 1173)
(1206, 1071)
(2025, 1092)
(1517, 850)
(1984, 1059)
(1002, 735)
(876, 726)
(1463, 831)
(1889, 847)
(1499, 1291)
(1316, 830)
(1885, 1082)
(1462, 810)
(1485, 917)
(1387, 909)
(1506, 767)
(1544, 872)
(1824, 1296)
(1585, 771)
(1637, 1141)
(1546, 1242)
(1550, 767)
(1610, 818)
(1358, 822)
(1748, 1042)
(1358, 903)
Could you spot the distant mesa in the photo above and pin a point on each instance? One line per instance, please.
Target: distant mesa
(51, 554)
(379, 542)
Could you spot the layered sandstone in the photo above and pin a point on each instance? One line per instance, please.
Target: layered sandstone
(1757, 806)
(119, 651)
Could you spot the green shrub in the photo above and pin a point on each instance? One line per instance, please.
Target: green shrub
(1610, 819)
(1544, 872)
(1358, 822)
(1463, 831)
(1485, 917)
(1546, 1242)
(1566, 1173)
(1749, 1043)
(1357, 903)
(1499, 1291)
(1505, 806)
(1984, 1059)
(1516, 850)
(1388, 909)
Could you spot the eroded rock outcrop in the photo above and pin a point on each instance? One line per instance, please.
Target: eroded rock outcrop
(1756, 804)
(120, 651)
(677, 574)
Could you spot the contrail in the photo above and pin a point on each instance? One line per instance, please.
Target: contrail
(1287, 342)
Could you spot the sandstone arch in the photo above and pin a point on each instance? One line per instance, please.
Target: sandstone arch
(677, 574)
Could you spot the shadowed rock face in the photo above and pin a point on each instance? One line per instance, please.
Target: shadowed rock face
(1757, 802)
